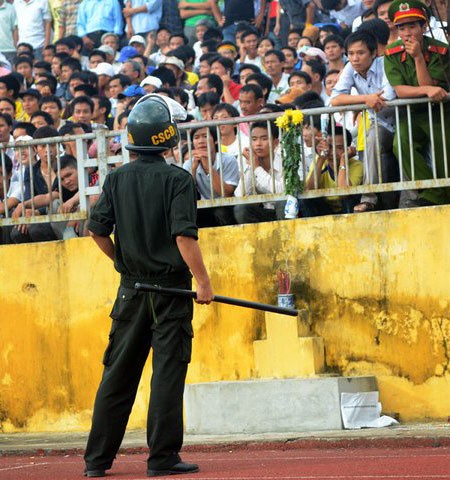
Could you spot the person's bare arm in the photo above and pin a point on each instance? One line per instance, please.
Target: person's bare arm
(375, 101)
(48, 33)
(310, 10)
(105, 244)
(127, 14)
(216, 12)
(190, 251)
(11, 202)
(15, 36)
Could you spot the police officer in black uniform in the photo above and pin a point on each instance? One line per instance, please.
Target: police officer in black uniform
(152, 208)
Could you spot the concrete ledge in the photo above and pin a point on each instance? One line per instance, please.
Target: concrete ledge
(269, 406)
(399, 436)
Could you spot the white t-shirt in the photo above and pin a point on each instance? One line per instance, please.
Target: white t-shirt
(30, 21)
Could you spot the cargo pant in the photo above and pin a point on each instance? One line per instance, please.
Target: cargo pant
(141, 321)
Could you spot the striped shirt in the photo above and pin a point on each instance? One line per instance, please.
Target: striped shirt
(68, 16)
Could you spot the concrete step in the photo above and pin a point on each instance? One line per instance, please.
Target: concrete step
(269, 406)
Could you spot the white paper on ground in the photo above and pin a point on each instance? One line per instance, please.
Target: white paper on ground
(363, 410)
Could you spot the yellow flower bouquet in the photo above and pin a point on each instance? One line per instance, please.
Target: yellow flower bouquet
(291, 125)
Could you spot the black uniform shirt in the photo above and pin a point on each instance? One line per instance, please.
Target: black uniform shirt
(150, 203)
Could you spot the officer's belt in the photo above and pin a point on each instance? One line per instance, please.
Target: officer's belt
(164, 280)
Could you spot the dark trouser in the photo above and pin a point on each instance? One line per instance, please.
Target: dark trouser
(421, 138)
(38, 232)
(142, 321)
(5, 235)
(255, 213)
(215, 217)
(316, 207)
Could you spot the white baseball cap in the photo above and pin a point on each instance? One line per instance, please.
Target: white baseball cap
(137, 39)
(107, 49)
(104, 68)
(173, 61)
(150, 80)
(312, 52)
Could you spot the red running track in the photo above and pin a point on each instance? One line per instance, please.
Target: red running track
(337, 464)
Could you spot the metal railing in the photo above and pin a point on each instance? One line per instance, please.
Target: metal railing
(105, 160)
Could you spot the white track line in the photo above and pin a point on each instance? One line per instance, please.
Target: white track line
(18, 467)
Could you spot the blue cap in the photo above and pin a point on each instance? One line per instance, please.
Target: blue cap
(150, 69)
(132, 91)
(334, 26)
(126, 53)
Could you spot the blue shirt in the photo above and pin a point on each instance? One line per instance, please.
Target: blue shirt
(171, 17)
(149, 20)
(375, 81)
(94, 15)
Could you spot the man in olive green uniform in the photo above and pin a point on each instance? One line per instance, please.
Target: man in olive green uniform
(418, 66)
(152, 208)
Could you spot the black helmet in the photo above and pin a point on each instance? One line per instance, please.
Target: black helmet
(151, 124)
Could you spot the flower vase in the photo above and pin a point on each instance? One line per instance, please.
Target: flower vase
(286, 300)
(291, 207)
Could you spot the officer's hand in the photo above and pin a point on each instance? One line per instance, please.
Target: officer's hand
(413, 47)
(205, 294)
(436, 93)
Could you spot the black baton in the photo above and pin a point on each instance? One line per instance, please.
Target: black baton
(217, 298)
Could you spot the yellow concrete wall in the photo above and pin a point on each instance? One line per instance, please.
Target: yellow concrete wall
(377, 286)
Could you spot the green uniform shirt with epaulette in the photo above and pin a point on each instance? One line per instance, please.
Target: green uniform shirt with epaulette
(147, 203)
(400, 67)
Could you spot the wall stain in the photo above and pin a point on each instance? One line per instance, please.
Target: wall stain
(30, 288)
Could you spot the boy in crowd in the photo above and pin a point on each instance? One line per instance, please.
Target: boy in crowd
(45, 191)
(249, 41)
(251, 100)
(316, 70)
(224, 68)
(290, 59)
(273, 65)
(222, 165)
(82, 109)
(231, 141)
(333, 47)
(117, 85)
(264, 163)
(30, 102)
(324, 172)
(365, 74)
(53, 106)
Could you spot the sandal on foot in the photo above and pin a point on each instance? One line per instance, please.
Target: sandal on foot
(364, 207)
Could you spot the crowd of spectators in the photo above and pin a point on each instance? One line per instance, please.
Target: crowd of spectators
(74, 66)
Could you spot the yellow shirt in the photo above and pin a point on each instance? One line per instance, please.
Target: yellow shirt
(21, 116)
(360, 137)
(55, 10)
(192, 78)
(327, 178)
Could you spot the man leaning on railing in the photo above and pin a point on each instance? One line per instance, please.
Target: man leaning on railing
(365, 73)
(418, 66)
